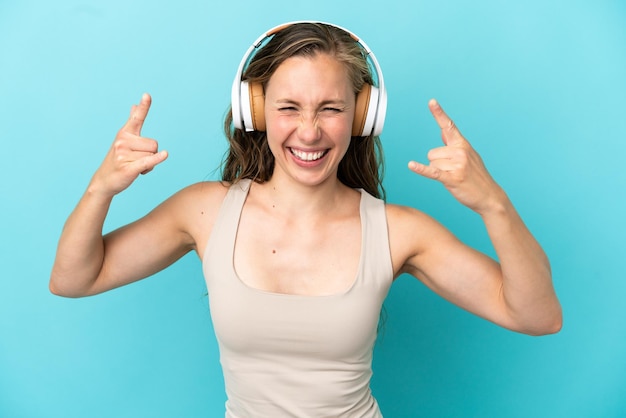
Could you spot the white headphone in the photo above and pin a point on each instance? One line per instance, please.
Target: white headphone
(248, 100)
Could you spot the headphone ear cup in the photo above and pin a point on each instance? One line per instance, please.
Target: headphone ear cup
(244, 103)
(365, 110)
(252, 102)
(360, 110)
(257, 106)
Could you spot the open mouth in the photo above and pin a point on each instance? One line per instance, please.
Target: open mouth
(307, 156)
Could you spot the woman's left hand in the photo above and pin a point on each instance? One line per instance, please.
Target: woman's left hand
(458, 167)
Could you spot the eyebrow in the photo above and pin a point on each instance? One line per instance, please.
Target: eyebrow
(337, 102)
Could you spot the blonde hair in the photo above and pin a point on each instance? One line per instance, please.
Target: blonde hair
(249, 156)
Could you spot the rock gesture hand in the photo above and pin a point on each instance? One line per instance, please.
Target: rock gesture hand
(130, 155)
(458, 166)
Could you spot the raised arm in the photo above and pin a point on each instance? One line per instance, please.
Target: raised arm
(86, 262)
(517, 292)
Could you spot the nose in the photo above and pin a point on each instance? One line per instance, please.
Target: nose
(308, 129)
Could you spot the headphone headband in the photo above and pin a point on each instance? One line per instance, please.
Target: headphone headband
(243, 98)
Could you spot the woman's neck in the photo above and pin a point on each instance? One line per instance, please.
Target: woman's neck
(290, 197)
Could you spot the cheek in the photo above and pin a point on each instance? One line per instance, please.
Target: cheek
(342, 124)
(277, 125)
(277, 131)
(339, 127)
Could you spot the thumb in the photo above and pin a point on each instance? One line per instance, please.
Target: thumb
(450, 134)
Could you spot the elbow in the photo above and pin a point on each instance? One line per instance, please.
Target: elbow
(548, 326)
(52, 288)
(555, 326)
(558, 323)
(59, 290)
(537, 321)
(551, 329)
(56, 290)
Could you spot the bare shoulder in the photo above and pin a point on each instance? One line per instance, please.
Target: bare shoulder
(408, 219)
(209, 193)
(195, 209)
(411, 233)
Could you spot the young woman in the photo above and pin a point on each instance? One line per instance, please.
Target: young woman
(298, 249)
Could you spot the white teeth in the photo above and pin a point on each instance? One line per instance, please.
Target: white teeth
(307, 156)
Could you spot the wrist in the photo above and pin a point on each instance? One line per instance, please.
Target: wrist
(97, 190)
(498, 205)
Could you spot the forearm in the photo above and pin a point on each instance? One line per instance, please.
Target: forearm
(527, 288)
(80, 251)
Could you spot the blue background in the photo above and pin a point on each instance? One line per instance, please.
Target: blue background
(538, 87)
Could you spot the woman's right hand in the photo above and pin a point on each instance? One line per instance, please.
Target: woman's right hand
(130, 155)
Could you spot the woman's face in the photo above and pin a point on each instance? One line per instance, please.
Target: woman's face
(309, 108)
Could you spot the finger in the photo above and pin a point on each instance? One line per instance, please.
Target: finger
(144, 145)
(138, 114)
(439, 153)
(450, 134)
(458, 154)
(126, 142)
(445, 165)
(146, 164)
(427, 171)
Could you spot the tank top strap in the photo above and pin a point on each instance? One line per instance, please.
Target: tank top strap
(224, 231)
(376, 253)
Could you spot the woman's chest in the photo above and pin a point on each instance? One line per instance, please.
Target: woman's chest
(296, 257)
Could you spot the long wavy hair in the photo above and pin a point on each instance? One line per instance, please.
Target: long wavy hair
(249, 155)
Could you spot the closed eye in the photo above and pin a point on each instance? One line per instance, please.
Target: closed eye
(332, 109)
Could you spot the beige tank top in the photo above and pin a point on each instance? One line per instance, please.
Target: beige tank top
(291, 355)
